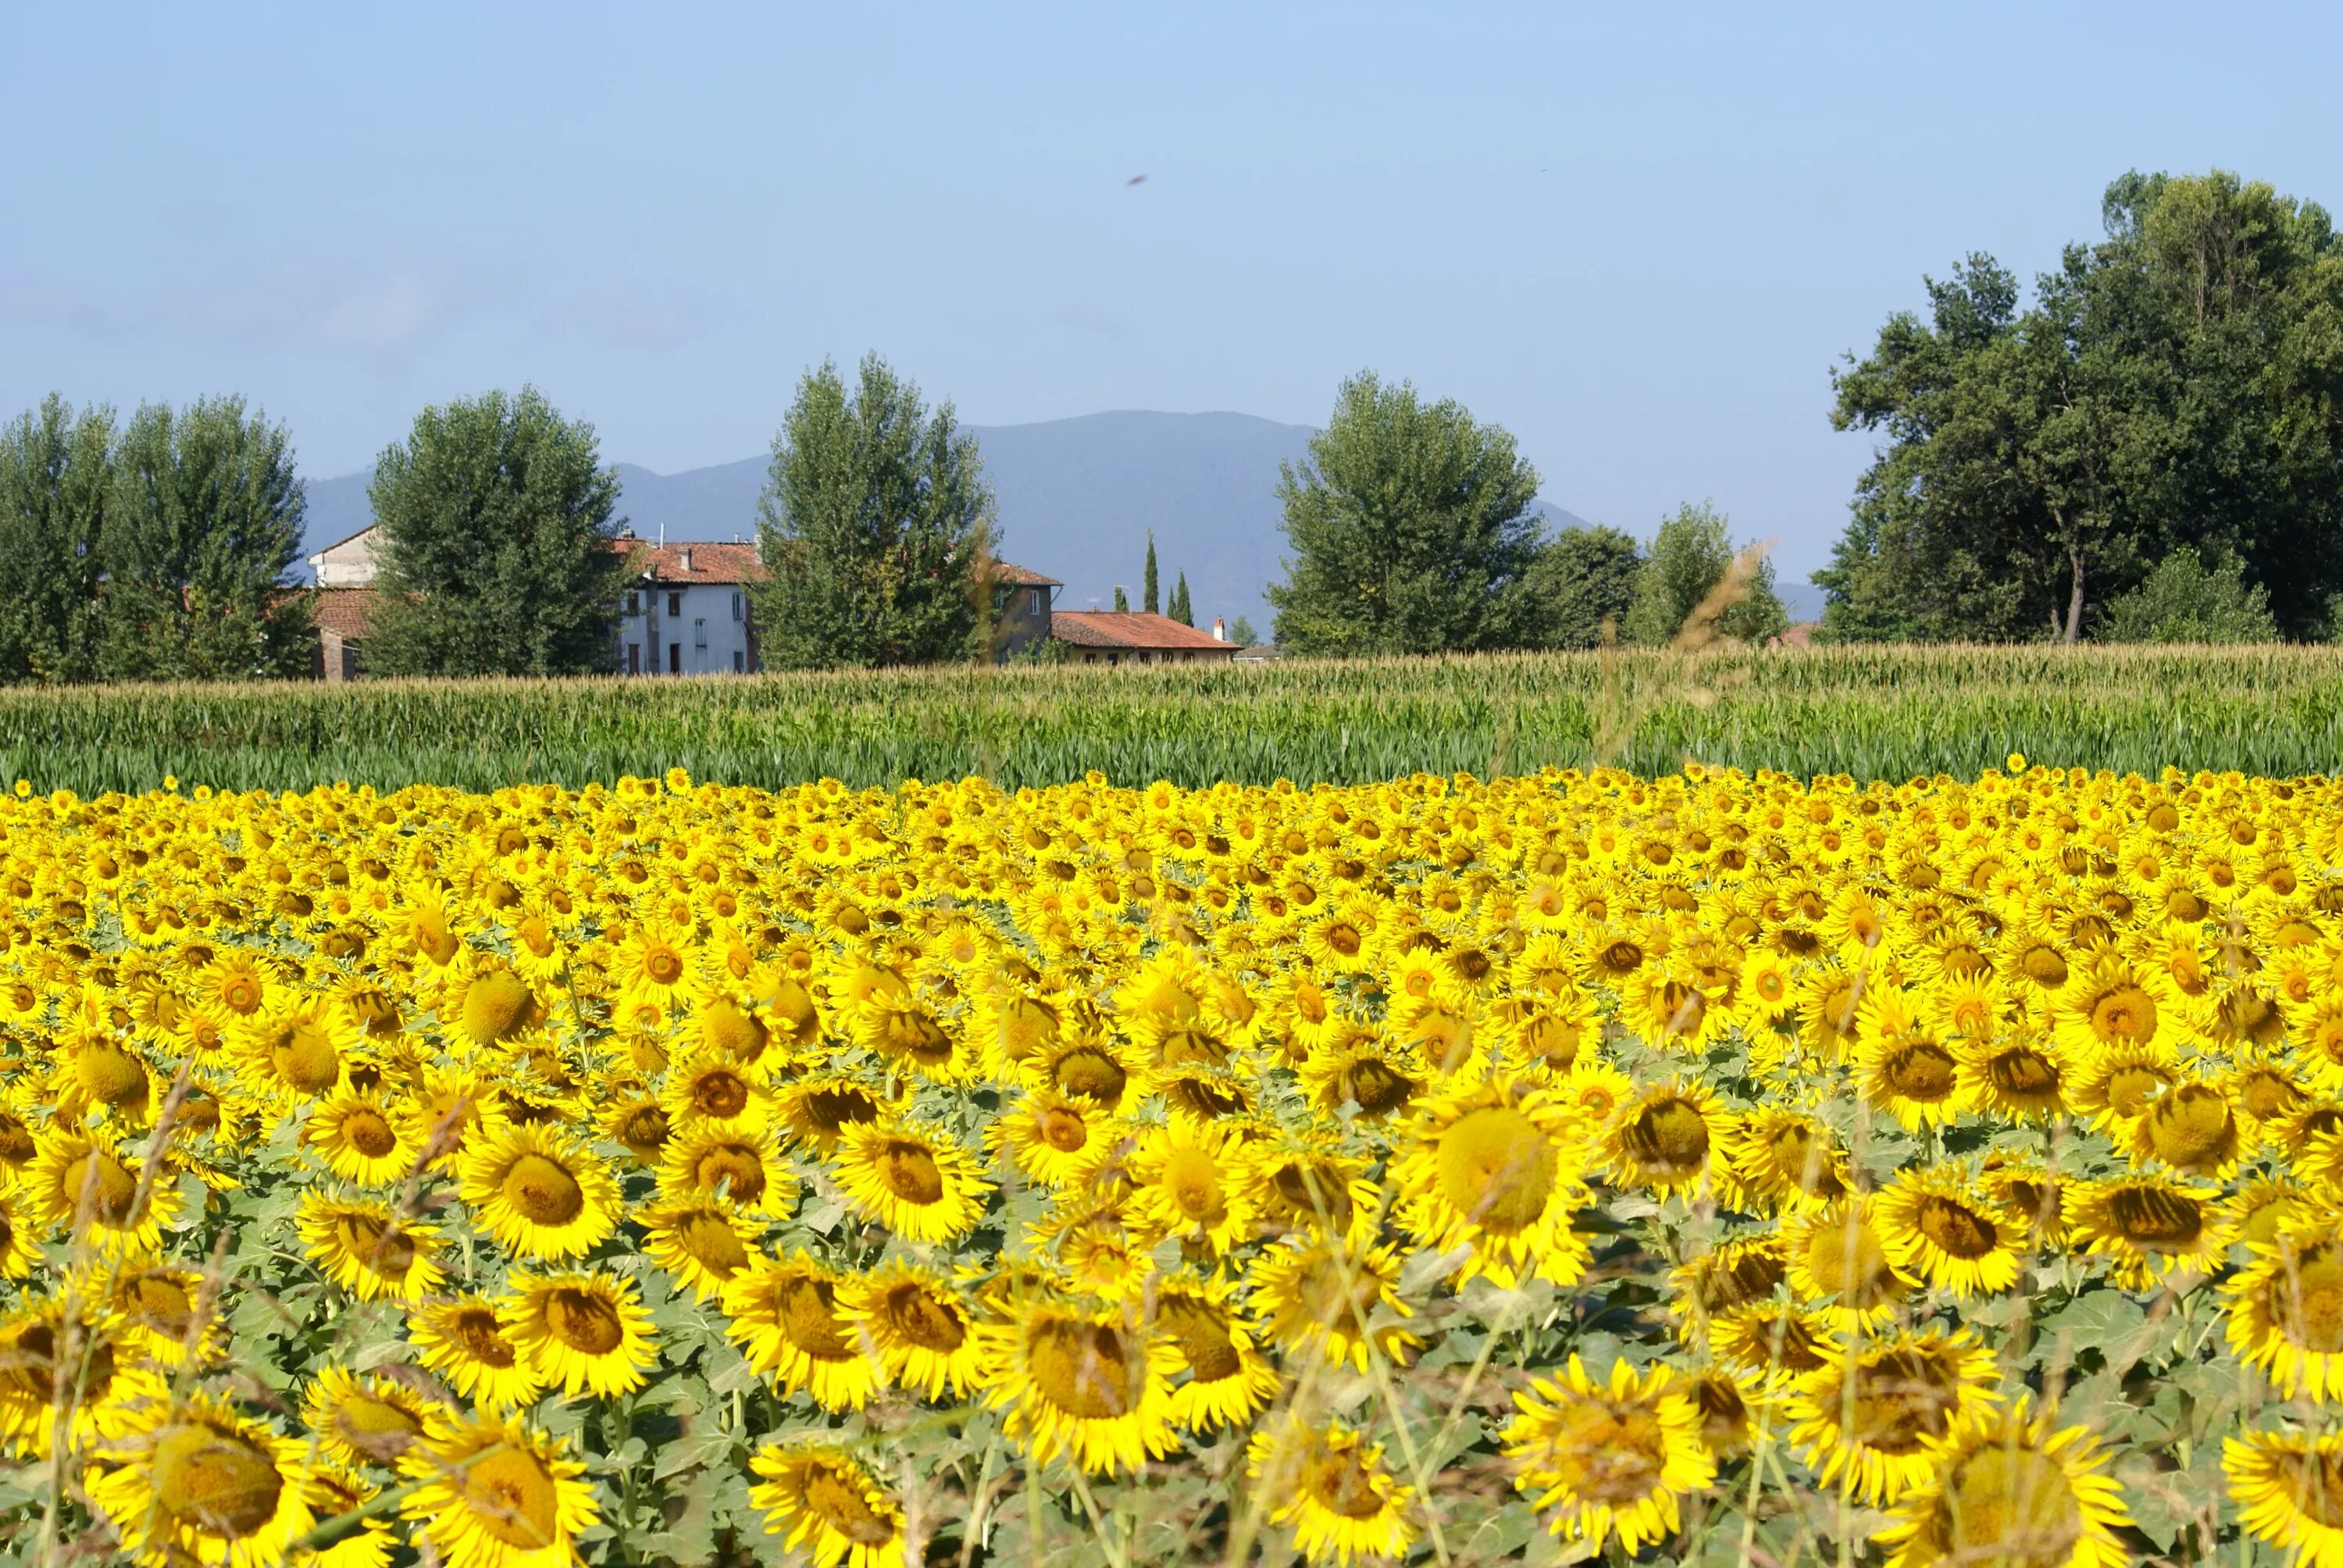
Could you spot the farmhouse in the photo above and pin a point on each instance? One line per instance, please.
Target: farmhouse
(686, 613)
(1134, 637)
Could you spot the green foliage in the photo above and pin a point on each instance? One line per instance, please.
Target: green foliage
(1242, 634)
(496, 555)
(1690, 556)
(1582, 578)
(2173, 384)
(1148, 600)
(2184, 600)
(1181, 610)
(56, 472)
(1411, 530)
(202, 524)
(1121, 601)
(874, 520)
(1892, 713)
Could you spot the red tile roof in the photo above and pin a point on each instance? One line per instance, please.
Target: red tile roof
(709, 563)
(1132, 629)
(347, 610)
(1015, 576)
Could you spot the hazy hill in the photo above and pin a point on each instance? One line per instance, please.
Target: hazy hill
(1076, 497)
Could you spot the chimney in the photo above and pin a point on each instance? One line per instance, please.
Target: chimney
(687, 558)
(1220, 629)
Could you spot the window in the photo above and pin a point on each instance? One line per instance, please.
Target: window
(1033, 602)
(739, 662)
(675, 659)
(675, 604)
(699, 633)
(736, 604)
(634, 604)
(634, 659)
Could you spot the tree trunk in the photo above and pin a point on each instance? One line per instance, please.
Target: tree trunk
(2074, 600)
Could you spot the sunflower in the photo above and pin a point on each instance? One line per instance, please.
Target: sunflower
(78, 1181)
(100, 1382)
(467, 1342)
(193, 1482)
(1735, 1273)
(359, 1140)
(1608, 1459)
(921, 1185)
(238, 981)
(1869, 1413)
(923, 1332)
(1772, 1338)
(1781, 1160)
(363, 1247)
(1325, 1297)
(2107, 1006)
(160, 1306)
(1229, 1380)
(1938, 1228)
(2117, 1083)
(1093, 1386)
(2017, 1076)
(816, 1111)
(715, 1090)
(365, 1420)
(653, 963)
(742, 1171)
(1667, 1139)
(1913, 1077)
(699, 1245)
(825, 1500)
(1183, 1184)
(20, 1246)
(1495, 1170)
(496, 1494)
(1732, 1411)
(539, 1193)
(331, 1492)
(786, 1318)
(2005, 1488)
(580, 1332)
(296, 1053)
(2191, 1127)
(1332, 1488)
(1306, 1182)
(2285, 1311)
(2147, 1226)
(1055, 1141)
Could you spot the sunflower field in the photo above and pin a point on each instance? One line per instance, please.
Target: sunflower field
(1713, 1168)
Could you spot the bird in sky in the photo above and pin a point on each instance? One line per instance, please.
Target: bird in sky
(1136, 179)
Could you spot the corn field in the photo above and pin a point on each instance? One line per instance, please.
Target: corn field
(1869, 713)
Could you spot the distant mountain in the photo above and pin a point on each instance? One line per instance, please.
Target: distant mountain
(1077, 497)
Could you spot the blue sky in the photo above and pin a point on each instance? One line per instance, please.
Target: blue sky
(1636, 236)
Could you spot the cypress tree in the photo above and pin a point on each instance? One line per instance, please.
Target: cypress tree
(1147, 595)
(1181, 611)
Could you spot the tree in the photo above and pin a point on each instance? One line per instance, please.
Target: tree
(876, 522)
(2185, 598)
(1121, 601)
(496, 554)
(1582, 578)
(2178, 384)
(1147, 597)
(55, 470)
(1411, 530)
(1241, 632)
(1689, 557)
(1181, 610)
(202, 526)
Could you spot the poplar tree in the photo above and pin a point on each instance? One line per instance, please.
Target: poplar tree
(876, 525)
(498, 552)
(202, 528)
(56, 468)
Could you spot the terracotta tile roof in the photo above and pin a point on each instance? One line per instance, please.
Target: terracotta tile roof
(1133, 630)
(1015, 576)
(347, 610)
(709, 563)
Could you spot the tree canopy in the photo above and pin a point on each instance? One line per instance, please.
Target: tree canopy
(202, 527)
(2178, 383)
(1582, 578)
(1411, 529)
(877, 529)
(498, 521)
(57, 469)
(1690, 555)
